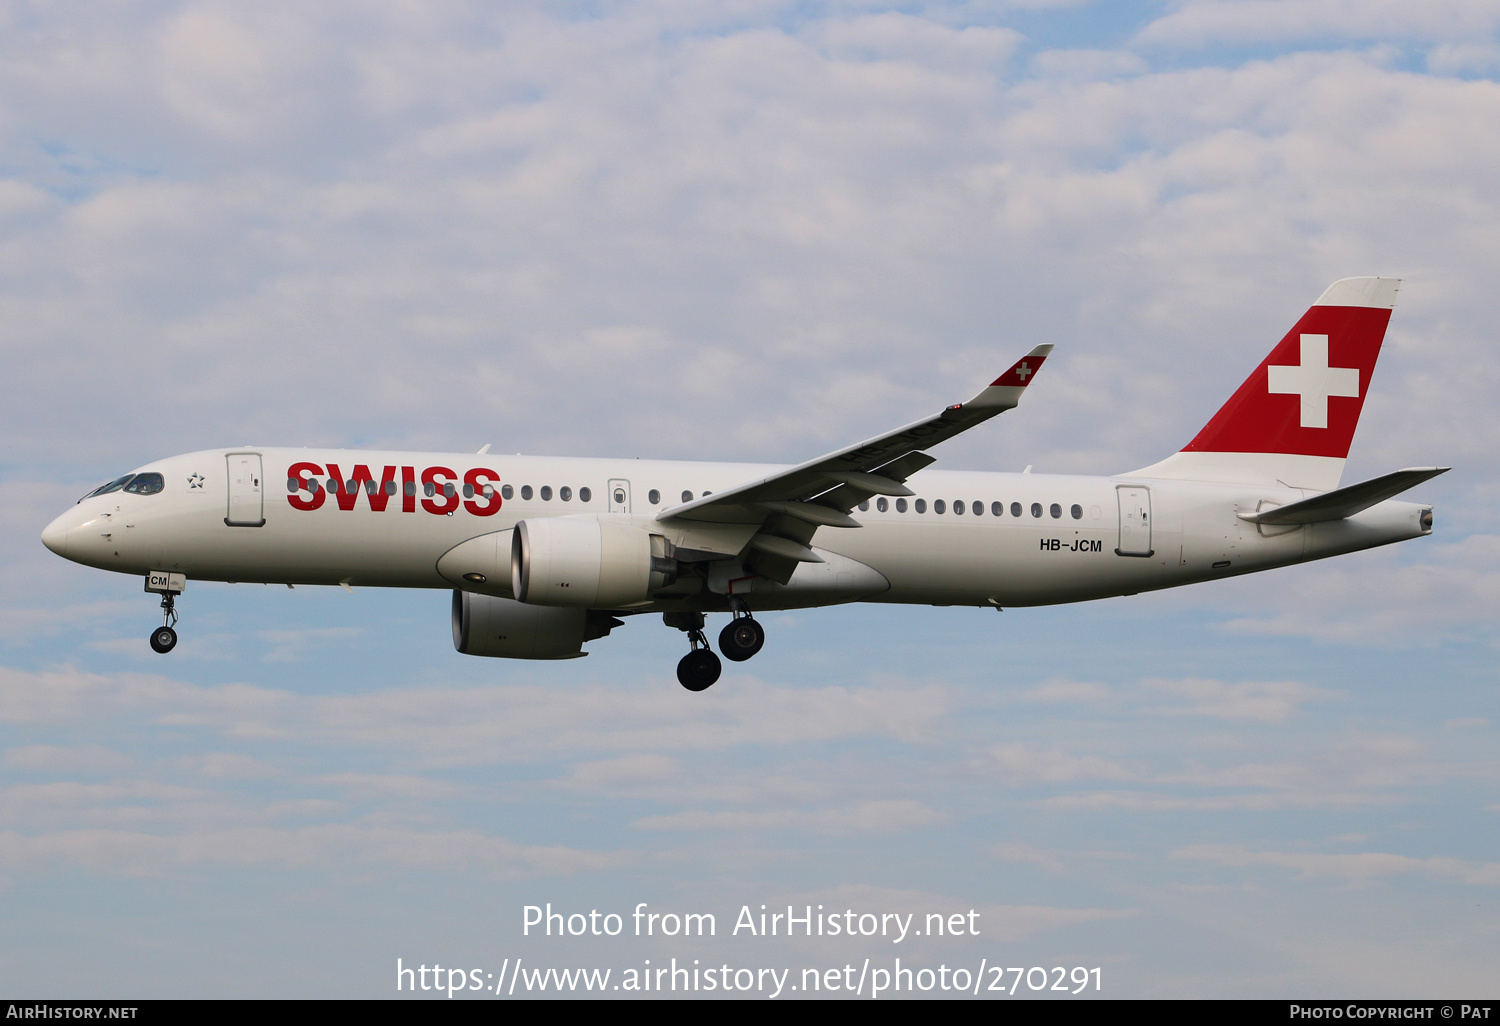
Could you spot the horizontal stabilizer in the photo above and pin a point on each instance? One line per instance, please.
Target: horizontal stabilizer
(1345, 502)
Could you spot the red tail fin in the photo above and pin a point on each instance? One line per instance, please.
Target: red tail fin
(1293, 419)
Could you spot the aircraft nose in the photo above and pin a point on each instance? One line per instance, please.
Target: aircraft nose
(55, 535)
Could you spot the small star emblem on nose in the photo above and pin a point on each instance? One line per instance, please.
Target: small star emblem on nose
(196, 481)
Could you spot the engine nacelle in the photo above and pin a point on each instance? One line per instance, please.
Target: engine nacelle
(587, 563)
(484, 625)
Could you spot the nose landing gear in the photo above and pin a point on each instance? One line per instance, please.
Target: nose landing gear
(168, 586)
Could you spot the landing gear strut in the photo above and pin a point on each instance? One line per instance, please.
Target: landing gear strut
(168, 586)
(700, 667)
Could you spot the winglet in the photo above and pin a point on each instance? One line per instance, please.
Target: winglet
(1020, 374)
(1005, 391)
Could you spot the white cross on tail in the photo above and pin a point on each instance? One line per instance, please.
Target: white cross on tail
(1314, 381)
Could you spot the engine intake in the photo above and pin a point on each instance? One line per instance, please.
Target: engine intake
(588, 563)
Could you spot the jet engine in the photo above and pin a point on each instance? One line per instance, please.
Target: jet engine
(588, 563)
(484, 625)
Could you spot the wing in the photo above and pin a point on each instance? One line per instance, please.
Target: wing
(792, 504)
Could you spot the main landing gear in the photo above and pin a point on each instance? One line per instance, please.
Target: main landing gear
(168, 586)
(739, 640)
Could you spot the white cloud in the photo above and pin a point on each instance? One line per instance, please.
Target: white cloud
(327, 846)
(1086, 65)
(289, 646)
(1047, 861)
(481, 725)
(1169, 801)
(892, 35)
(1203, 22)
(1454, 590)
(625, 769)
(67, 759)
(1018, 922)
(1021, 765)
(1461, 58)
(1354, 867)
(1068, 692)
(871, 817)
(1271, 702)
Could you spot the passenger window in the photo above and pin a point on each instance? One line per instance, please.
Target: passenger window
(977, 508)
(488, 491)
(900, 505)
(565, 493)
(997, 509)
(939, 506)
(921, 505)
(292, 485)
(1015, 509)
(507, 492)
(882, 505)
(1077, 511)
(1056, 511)
(864, 507)
(411, 488)
(546, 493)
(150, 484)
(526, 492)
(687, 496)
(390, 488)
(449, 490)
(654, 496)
(585, 495)
(1036, 509)
(468, 491)
(351, 487)
(429, 489)
(958, 508)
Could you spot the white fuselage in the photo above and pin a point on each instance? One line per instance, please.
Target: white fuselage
(1131, 534)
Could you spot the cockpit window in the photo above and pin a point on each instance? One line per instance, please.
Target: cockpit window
(113, 486)
(145, 484)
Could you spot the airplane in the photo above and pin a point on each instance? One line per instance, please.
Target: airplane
(544, 555)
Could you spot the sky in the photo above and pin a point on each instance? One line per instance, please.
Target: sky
(751, 230)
